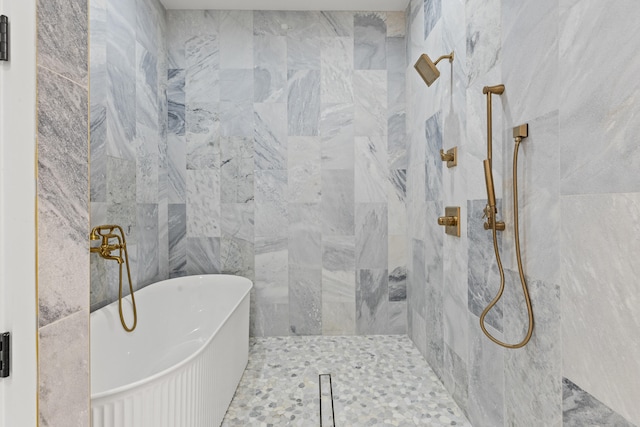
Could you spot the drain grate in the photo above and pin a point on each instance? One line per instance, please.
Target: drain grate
(327, 414)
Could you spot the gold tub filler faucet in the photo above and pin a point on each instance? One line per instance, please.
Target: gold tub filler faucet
(106, 233)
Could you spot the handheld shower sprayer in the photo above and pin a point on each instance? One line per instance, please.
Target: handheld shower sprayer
(105, 233)
(491, 211)
(427, 68)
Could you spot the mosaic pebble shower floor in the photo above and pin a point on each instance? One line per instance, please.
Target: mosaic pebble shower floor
(377, 381)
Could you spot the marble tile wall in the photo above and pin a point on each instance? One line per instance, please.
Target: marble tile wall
(130, 184)
(287, 163)
(63, 214)
(566, 169)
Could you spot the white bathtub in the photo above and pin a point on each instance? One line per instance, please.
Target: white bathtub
(182, 364)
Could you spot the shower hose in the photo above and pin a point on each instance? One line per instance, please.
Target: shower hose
(133, 300)
(525, 290)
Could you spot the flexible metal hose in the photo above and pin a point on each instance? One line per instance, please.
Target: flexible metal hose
(525, 289)
(123, 246)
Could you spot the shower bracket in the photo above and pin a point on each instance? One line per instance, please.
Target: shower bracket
(451, 157)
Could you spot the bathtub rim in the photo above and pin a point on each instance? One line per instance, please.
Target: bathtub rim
(151, 378)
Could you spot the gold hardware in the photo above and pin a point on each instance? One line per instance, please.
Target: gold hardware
(105, 233)
(451, 157)
(519, 132)
(451, 220)
(427, 68)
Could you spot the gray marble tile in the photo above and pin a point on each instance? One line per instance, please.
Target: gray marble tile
(124, 214)
(456, 378)
(336, 55)
(237, 256)
(432, 13)
(146, 87)
(236, 39)
(183, 25)
(305, 24)
(271, 186)
(202, 136)
(371, 169)
(303, 107)
(176, 99)
(579, 408)
(121, 180)
(370, 90)
(270, 22)
(177, 216)
(370, 32)
(337, 202)
(203, 255)
(163, 238)
(148, 267)
(238, 220)
(202, 70)
(533, 374)
(236, 172)
(417, 283)
(176, 168)
(537, 37)
(484, 277)
(62, 39)
(372, 302)
(337, 132)
(149, 15)
(338, 302)
(371, 235)
(433, 164)
(269, 320)
(270, 68)
(270, 136)
(398, 267)
(236, 85)
(305, 301)
(271, 219)
(203, 203)
(397, 318)
(304, 160)
(98, 151)
(302, 53)
(486, 377)
(338, 253)
(272, 271)
(599, 295)
(484, 34)
(63, 347)
(63, 196)
(396, 24)
(147, 164)
(396, 189)
(236, 119)
(305, 235)
(596, 150)
(434, 290)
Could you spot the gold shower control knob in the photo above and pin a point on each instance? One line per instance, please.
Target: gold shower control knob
(451, 220)
(448, 220)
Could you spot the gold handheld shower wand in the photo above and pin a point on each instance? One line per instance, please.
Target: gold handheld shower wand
(105, 233)
(491, 211)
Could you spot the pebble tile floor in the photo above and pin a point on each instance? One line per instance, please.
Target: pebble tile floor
(377, 381)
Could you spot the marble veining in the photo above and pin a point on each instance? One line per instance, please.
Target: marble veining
(370, 32)
(337, 134)
(303, 107)
(371, 235)
(579, 408)
(432, 13)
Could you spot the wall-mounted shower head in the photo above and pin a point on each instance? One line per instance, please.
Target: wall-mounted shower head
(427, 68)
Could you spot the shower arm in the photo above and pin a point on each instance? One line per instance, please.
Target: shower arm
(450, 57)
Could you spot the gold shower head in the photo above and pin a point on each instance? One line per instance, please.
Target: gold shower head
(427, 68)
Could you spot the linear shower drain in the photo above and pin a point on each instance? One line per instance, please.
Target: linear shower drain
(327, 415)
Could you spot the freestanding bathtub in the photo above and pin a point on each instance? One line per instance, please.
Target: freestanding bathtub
(180, 367)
